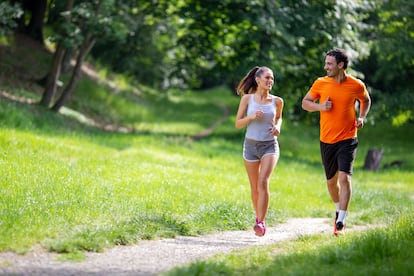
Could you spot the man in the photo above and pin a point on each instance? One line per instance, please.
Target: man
(335, 96)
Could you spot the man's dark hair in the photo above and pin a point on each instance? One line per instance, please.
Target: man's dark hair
(340, 56)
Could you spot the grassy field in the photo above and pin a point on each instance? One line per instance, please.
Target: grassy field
(71, 187)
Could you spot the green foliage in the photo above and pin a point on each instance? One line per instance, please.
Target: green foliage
(9, 13)
(390, 65)
(200, 44)
(100, 18)
(142, 51)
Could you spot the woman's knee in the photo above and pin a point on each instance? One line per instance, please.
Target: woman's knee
(263, 185)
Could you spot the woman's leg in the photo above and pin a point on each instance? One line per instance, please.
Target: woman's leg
(267, 165)
(252, 169)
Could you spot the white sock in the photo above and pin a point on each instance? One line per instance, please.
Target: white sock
(341, 216)
(337, 206)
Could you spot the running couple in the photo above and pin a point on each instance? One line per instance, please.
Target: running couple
(334, 96)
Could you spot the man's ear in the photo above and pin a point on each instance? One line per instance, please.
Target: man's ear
(341, 65)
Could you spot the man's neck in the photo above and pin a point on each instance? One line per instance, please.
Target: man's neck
(340, 78)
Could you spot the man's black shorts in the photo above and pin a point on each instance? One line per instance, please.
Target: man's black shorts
(339, 156)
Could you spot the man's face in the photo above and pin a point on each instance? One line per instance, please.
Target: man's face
(331, 67)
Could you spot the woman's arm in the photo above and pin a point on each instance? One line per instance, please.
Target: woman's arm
(241, 119)
(278, 117)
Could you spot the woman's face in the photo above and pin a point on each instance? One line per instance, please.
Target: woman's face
(265, 80)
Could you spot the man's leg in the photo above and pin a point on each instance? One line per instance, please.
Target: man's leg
(346, 157)
(345, 190)
(334, 188)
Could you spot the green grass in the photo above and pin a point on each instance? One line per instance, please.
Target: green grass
(107, 188)
(381, 251)
(71, 187)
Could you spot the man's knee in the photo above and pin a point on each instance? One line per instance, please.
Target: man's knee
(344, 178)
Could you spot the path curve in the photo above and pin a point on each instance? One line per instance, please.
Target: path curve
(157, 256)
(206, 132)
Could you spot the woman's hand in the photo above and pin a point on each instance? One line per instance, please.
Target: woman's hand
(275, 131)
(258, 114)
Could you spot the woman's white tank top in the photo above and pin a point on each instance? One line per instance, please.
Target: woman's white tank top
(260, 130)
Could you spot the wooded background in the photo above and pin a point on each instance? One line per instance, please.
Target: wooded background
(199, 44)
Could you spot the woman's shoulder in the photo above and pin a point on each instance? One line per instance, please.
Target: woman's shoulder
(245, 98)
(277, 99)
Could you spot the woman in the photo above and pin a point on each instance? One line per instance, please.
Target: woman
(261, 113)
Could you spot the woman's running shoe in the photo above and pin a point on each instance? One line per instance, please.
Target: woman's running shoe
(260, 229)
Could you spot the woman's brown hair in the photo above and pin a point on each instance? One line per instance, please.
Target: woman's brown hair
(248, 84)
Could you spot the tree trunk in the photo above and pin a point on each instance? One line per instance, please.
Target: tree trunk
(35, 27)
(373, 159)
(52, 77)
(67, 58)
(83, 52)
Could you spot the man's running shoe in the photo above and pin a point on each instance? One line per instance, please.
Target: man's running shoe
(339, 229)
(336, 218)
(260, 229)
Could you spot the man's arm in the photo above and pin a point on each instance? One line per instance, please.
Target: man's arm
(364, 107)
(309, 104)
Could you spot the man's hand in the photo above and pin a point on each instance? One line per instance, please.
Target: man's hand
(360, 122)
(326, 105)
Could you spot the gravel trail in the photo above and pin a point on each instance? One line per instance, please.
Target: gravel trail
(157, 256)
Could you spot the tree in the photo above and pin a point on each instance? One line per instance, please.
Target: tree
(83, 24)
(53, 75)
(142, 52)
(35, 11)
(390, 65)
(217, 42)
(199, 44)
(9, 14)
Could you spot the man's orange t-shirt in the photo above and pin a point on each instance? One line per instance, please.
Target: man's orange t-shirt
(338, 124)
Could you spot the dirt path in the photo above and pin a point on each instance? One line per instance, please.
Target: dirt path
(206, 132)
(154, 257)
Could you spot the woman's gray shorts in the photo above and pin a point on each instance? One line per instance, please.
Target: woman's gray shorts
(254, 151)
